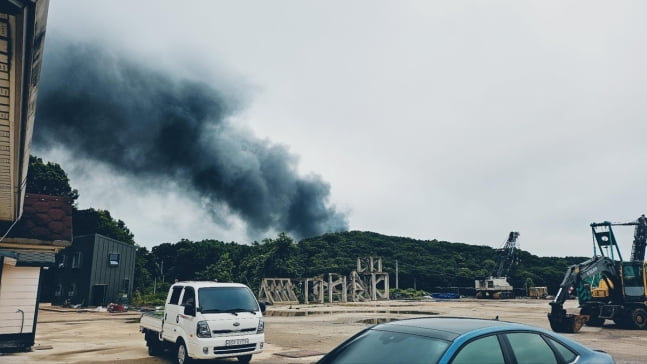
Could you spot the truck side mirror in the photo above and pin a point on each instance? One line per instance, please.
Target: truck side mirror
(189, 309)
(262, 304)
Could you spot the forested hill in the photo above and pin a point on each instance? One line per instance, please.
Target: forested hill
(427, 264)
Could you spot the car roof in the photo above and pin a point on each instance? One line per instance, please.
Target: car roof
(447, 328)
(207, 284)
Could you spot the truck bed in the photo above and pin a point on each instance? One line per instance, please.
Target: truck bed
(151, 321)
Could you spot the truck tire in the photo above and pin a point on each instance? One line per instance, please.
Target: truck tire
(154, 345)
(639, 318)
(182, 355)
(244, 359)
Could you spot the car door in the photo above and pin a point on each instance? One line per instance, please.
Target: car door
(186, 320)
(172, 314)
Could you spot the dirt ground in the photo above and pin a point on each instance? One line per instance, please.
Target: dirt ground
(294, 334)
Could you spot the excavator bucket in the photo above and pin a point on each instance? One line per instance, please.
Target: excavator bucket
(567, 323)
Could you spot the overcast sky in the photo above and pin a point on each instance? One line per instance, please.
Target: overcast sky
(456, 120)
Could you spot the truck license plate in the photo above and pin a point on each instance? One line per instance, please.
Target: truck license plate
(236, 342)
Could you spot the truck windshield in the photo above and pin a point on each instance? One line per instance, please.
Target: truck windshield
(227, 299)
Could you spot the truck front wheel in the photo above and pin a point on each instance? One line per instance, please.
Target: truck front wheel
(182, 356)
(244, 359)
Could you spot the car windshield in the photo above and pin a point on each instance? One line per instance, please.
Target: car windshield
(391, 347)
(226, 299)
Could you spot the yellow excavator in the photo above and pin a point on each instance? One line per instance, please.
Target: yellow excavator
(606, 286)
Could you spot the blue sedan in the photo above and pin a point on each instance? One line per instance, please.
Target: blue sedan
(451, 340)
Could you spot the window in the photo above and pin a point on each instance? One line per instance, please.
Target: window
(483, 350)
(567, 354)
(530, 348)
(189, 296)
(76, 260)
(175, 296)
(60, 261)
(126, 285)
(58, 292)
(375, 346)
(72, 291)
(113, 259)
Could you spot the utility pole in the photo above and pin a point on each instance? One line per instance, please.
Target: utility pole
(396, 275)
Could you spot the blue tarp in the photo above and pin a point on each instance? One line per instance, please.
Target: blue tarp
(446, 296)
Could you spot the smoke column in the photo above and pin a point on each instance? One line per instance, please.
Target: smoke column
(151, 126)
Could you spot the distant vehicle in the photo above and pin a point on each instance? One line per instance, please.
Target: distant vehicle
(206, 320)
(451, 340)
(538, 292)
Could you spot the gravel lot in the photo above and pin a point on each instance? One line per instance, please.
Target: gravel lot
(294, 334)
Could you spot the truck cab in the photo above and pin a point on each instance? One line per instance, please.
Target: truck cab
(207, 320)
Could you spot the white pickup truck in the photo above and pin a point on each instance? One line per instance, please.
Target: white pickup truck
(206, 320)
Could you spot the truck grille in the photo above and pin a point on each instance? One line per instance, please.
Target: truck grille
(251, 330)
(234, 349)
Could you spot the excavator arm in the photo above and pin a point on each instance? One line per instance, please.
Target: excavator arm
(577, 275)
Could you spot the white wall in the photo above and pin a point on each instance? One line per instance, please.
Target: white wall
(18, 290)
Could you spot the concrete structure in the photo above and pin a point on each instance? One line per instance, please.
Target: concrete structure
(367, 283)
(277, 290)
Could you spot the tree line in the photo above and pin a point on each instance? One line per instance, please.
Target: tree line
(427, 265)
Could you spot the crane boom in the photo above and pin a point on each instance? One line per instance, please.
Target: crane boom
(640, 239)
(506, 255)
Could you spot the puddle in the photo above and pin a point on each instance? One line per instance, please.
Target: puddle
(376, 320)
(315, 313)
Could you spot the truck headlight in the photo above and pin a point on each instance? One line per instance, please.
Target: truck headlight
(202, 329)
(261, 326)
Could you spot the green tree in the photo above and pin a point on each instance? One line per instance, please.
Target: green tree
(91, 221)
(49, 179)
(221, 271)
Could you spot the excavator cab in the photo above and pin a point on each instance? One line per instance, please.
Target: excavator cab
(633, 281)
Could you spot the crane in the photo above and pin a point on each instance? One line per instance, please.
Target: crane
(497, 286)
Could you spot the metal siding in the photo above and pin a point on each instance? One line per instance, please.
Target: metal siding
(103, 273)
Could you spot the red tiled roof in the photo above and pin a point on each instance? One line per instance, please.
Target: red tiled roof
(44, 217)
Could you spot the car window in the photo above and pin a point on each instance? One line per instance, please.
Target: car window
(218, 299)
(485, 350)
(175, 296)
(391, 347)
(567, 354)
(189, 297)
(530, 348)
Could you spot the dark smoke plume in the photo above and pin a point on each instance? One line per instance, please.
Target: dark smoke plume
(150, 125)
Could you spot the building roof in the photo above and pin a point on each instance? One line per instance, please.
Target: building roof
(47, 219)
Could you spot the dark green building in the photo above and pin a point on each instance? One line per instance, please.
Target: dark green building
(95, 271)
